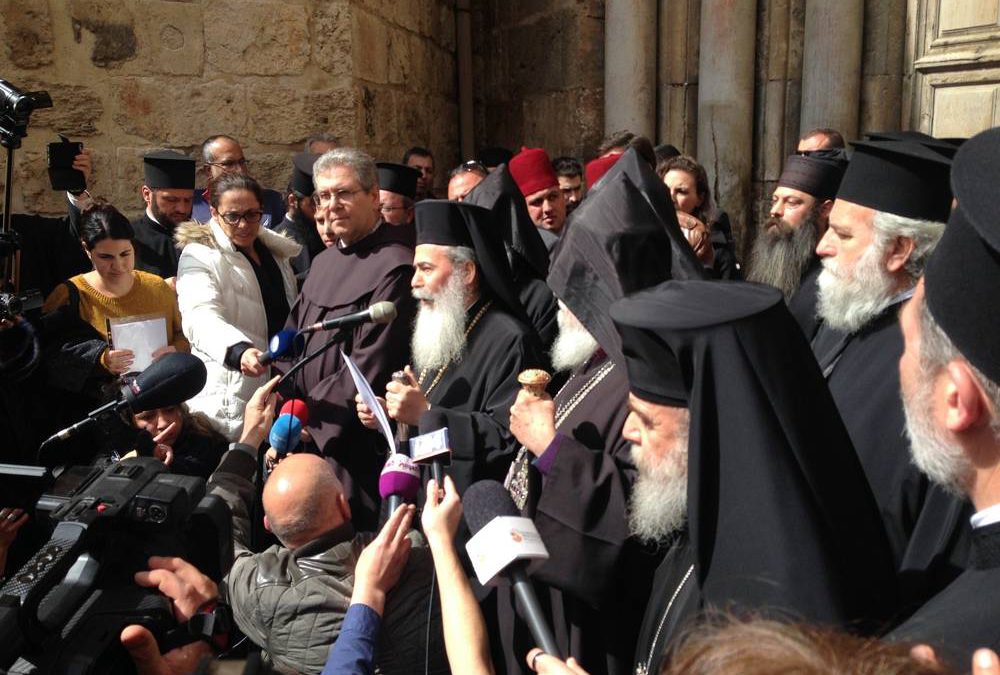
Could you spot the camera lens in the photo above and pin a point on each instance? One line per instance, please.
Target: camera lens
(157, 513)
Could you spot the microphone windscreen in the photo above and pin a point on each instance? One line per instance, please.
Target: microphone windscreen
(285, 433)
(297, 407)
(484, 501)
(400, 476)
(383, 312)
(282, 343)
(170, 380)
(432, 420)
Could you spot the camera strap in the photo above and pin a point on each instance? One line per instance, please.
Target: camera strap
(212, 623)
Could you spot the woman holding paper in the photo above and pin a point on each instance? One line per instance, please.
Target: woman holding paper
(140, 304)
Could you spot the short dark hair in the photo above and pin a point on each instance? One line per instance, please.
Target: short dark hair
(418, 151)
(206, 154)
(616, 139)
(322, 137)
(233, 181)
(471, 166)
(102, 221)
(567, 167)
(834, 138)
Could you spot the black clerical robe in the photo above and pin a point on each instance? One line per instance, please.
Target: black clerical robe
(673, 601)
(155, 251)
(966, 615)
(577, 496)
(475, 393)
(304, 233)
(341, 281)
(541, 307)
(926, 525)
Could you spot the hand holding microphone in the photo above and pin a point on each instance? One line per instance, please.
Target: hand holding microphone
(405, 401)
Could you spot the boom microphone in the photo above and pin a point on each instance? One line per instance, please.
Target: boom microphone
(281, 344)
(502, 544)
(399, 481)
(380, 312)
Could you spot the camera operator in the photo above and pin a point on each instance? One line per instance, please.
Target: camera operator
(291, 599)
(19, 356)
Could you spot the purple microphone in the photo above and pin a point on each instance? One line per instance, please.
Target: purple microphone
(399, 481)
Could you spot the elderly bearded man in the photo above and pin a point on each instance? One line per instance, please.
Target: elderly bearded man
(886, 220)
(470, 341)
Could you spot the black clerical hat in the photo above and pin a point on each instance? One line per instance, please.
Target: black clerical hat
(398, 178)
(813, 175)
(946, 146)
(447, 223)
(166, 169)
(905, 178)
(962, 279)
(301, 181)
(499, 193)
(617, 246)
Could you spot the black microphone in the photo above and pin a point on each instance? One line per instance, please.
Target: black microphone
(170, 380)
(281, 344)
(380, 312)
(430, 421)
(483, 502)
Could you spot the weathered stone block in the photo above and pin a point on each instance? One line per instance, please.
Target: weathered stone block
(27, 33)
(400, 58)
(331, 35)
(182, 116)
(271, 169)
(259, 38)
(75, 111)
(171, 38)
(370, 48)
(301, 113)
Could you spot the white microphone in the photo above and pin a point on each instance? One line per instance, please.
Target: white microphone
(380, 312)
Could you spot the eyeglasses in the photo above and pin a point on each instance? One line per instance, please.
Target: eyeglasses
(233, 218)
(390, 209)
(230, 164)
(328, 197)
(473, 165)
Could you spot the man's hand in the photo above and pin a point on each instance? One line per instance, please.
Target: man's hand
(365, 413)
(118, 361)
(259, 413)
(188, 590)
(442, 513)
(84, 163)
(533, 421)
(540, 662)
(381, 563)
(405, 402)
(250, 364)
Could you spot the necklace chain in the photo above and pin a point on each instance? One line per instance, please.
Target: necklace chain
(643, 668)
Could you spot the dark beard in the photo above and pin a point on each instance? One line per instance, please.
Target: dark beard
(781, 254)
(162, 218)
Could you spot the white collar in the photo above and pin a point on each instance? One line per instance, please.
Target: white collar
(988, 516)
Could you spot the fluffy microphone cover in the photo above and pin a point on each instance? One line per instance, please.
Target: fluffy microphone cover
(297, 407)
(484, 501)
(400, 476)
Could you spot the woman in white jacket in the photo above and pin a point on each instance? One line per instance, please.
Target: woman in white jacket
(235, 285)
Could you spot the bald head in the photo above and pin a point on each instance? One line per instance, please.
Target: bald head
(303, 499)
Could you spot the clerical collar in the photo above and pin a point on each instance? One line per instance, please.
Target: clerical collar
(988, 516)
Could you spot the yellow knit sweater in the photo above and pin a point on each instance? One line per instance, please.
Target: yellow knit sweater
(149, 295)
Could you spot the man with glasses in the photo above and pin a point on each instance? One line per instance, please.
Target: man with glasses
(463, 178)
(397, 191)
(223, 154)
(370, 262)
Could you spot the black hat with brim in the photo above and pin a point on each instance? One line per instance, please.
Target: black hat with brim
(398, 178)
(301, 181)
(962, 279)
(168, 170)
(813, 175)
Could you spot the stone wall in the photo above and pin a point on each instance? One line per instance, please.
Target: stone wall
(127, 76)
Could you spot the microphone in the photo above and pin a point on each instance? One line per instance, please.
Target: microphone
(502, 544)
(170, 380)
(297, 407)
(286, 433)
(399, 481)
(281, 344)
(432, 445)
(380, 312)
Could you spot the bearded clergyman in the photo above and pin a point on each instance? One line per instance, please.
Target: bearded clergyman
(573, 473)
(470, 340)
(785, 250)
(747, 478)
(886, 220)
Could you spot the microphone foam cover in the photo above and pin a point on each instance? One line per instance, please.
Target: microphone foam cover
(297, 407)
(484, 501)
(285, 433)
(383, 312)
(282, 343)
(170, 380)
(400, 476)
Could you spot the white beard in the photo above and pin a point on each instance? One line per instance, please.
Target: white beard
(573, 346)
(943, 462)
(849, 299)
(439, 332)
(658, 505)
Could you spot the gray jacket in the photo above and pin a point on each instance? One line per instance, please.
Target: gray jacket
(292, 603)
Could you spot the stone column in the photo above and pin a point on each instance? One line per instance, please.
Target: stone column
(677, 77)
(630, 66)
(725, 103)
(831, 66)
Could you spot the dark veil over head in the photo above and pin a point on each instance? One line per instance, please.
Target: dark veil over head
(779, 510)
(499, 193)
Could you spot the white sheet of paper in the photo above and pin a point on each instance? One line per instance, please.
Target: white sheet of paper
(368, 396)
(142, 337)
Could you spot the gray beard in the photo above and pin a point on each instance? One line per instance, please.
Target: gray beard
(943, 462)
(439, 332)
(781, 255)
(573, 346)
(849, 300)
(658, 505)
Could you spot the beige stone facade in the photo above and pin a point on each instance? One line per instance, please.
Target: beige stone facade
(127, 76)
